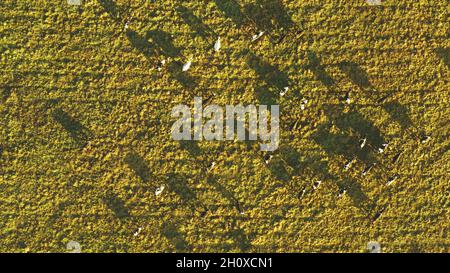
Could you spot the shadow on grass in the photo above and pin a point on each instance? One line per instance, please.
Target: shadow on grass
(213, 181)
(177, 183)
(241, 239)
(187, 81)
(117, 205)
(5, 93)
(195, 23)
(356, 74)
(269, 15)
(357, 122)
(291, 157)
(155, 43)
(76, 130)
(278, 169)
(265, 15)
(191, 146)
(319, 70)
(265, 95)
(110, 7)
(231, 9)
(359, 198)
(341, 144)
(164, 42)
(141, 44)
(267, 72)
(172, 233)
(444, 54)
(399, 113)
(138, 165)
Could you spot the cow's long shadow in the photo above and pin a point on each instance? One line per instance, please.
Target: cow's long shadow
(278, 169)
(356, 74)
(155, 43)
(164, 42)
(266, 95)
(195, 23)
(269, 15)
(5, 93)
(172, 233)
(186, 80)
(399, 113)
(233, 10)
(213, 181)
(267, 72)
(138, 165)
(318, 70)
(241, 239)
(359, 198)
(357, 122)
(341, 144)
(444, 54)
(141, 44)
(191, 146)
(110, 7)
(79, 133)
(291, 157)
(116, 205)
(177, 184)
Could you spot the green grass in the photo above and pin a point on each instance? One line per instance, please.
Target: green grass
(85, 126)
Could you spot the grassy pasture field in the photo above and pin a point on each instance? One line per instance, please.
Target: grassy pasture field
(85, 118)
